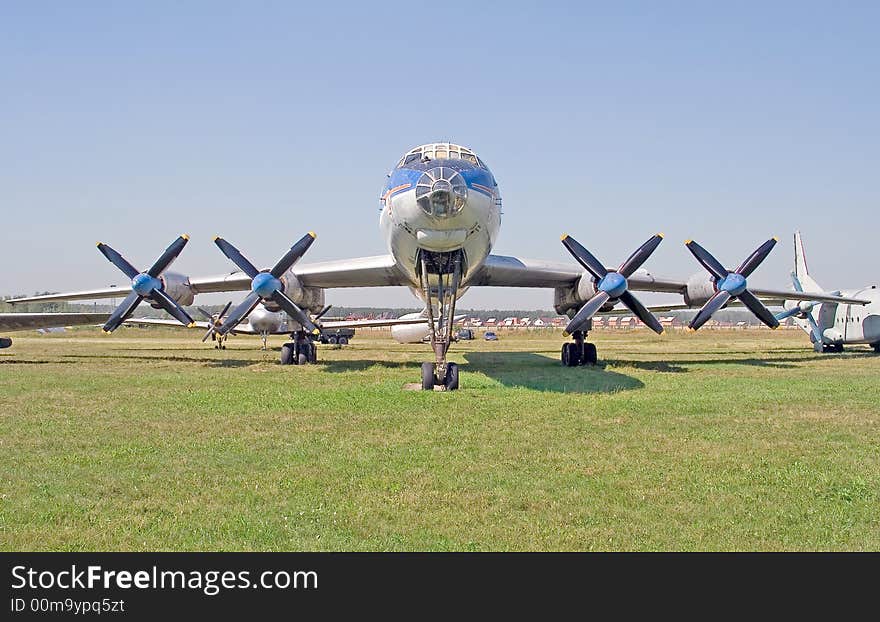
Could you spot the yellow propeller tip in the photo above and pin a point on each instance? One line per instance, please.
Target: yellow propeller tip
(191, 325)
(313, 234)
(317, 331)
(216, 237)
(99, 244)
(184, 236)
(564, 237)
(661, 236)
(775, 239)
(565, 334)
(105, 331)
(691, 330)
(686, 242)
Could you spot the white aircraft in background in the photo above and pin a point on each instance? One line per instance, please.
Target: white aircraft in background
(832, 325)
(440, 218)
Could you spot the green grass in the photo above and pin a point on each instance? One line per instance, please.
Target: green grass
(714, 441)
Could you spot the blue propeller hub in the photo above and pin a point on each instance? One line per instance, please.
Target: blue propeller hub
(734, 284)
(613, 284)
(264, 285)
(144, 284)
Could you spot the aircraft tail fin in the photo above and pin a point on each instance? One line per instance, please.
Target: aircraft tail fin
(801, 275)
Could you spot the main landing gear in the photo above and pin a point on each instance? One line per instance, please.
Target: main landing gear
(832, 347)
(579, 352)
(300, 351)
(440, 276)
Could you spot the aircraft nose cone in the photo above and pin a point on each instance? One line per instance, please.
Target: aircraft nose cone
(441, 192)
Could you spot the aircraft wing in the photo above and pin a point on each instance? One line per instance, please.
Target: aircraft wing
(375, 271)
(245, 328)
(504, 271)
(30, 321)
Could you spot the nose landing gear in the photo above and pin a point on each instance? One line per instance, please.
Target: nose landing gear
(448, 270)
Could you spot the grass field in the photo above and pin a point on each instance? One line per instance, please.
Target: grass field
(714, 441)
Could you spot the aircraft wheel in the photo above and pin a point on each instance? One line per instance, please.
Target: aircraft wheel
(313, 354)
(591, 357)
(302, 359)
(343, 341)
(428, 376)
(876, 347)
(287, 354)
(570, 355)
(451, 381)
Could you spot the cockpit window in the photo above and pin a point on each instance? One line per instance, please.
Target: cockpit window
(440, 151)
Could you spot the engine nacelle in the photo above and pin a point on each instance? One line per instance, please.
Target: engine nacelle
(307, 298)
(177, 286)
(700, 288)
(567, 299)
(410, 333)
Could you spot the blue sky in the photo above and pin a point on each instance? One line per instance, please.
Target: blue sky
(723, 122)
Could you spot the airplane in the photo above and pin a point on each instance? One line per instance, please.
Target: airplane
(440, 215)
(832, 325)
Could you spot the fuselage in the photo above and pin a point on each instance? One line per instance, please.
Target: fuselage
(440, 198)
(851, 324)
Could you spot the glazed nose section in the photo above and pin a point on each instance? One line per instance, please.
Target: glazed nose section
(441, 192)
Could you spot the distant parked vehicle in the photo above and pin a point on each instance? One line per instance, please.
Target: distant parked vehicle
(465, 333)
(490, 336)
(339, 336)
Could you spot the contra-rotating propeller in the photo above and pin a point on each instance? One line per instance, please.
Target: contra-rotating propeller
(612, 285)
(214, 322)
(732, 284)
(146, 285)
(267, 285)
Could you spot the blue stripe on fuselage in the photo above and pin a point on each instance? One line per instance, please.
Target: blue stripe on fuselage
(474, 176)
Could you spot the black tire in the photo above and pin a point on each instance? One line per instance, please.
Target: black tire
(571, 356)
(302, 359)
(428, 376)
(876, 347)
(313, 354)
(287, 354)
(566, 355)
(591, 357)
(343, 341)
(451, 381)
(332, 339)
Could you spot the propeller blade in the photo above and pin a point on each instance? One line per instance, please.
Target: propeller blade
(292, 256)
(787, 314)
(236, 257)
(322, 312)
(755, 259)
(208, 334)
(295, 312)
(125, 309)
(118, 260)
(584, 257)
(707, 260)
(632, 303)
(225, 309)
(587, 312)
(174, 310)
(206, 315)
(239, 313)
(639, 257)
(168, 256)
(757, 307)
(714, 303)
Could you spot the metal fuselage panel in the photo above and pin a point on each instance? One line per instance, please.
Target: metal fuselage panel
(407, 228)
(852, 324)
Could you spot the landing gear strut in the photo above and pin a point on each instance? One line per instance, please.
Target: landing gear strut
(300, 351)
(579, 352)
(446, 268)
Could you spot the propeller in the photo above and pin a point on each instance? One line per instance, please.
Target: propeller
(804, 310)
(612, 285)
(730, 285)
(214, 322)
(267, 285)
(146, 285)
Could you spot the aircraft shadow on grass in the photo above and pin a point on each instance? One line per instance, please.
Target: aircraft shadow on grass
(542, 373)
